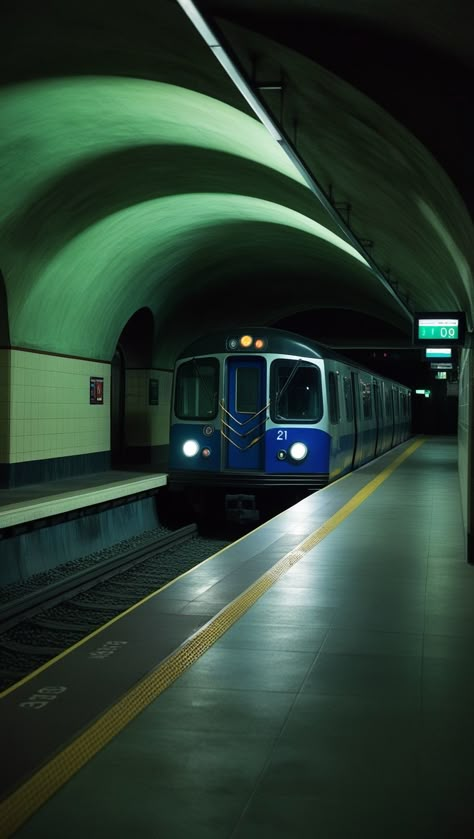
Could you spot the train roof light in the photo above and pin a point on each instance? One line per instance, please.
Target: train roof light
(246, 341)
(259, 343)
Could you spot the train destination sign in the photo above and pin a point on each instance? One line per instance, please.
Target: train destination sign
(439, 328)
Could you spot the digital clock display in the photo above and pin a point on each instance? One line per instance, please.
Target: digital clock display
(430, 329)
(441, 328)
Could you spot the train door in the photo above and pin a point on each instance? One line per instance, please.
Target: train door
(357, 418)
(336, 457)
(396, 417)
(245, 413)
(378, 407)
(350, 434)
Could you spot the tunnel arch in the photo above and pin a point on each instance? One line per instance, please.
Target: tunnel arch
(4, 324)
(133, 353)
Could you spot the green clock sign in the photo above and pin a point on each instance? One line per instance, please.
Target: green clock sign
(433, 329)
(444, 328)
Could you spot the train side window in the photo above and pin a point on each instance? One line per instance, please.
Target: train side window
(396, 408)
(334, 413)
(197, 385)
(348, 399)
(296, 391)
(377, 401)
(366, 399)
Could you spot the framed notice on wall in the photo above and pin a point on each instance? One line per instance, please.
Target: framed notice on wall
(96, 390)
(153, 392)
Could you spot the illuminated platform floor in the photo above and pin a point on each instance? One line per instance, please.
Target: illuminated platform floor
(19, 505)
(338, 705)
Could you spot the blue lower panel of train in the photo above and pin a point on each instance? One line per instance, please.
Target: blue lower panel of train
(277, 460)
(278, 448)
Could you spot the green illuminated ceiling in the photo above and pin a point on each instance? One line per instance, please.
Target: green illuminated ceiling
(99, 219)
(150, 184)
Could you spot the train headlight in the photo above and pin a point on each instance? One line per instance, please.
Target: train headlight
(190, 448)
(298, 451)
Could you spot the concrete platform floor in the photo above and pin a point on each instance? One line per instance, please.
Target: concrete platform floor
(339, 706)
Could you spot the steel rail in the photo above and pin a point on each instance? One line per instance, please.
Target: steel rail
(48, 596)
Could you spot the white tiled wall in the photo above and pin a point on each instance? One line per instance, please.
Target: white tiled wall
(50, 413)
(147, 425)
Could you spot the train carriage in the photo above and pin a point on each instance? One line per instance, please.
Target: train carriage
(258, 408)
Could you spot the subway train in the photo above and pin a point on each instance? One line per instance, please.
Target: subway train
(257, 409)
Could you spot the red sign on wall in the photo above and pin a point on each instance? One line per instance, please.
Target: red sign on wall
(96, 390)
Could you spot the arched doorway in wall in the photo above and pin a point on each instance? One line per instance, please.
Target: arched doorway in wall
(133, 354)
(117, 408)
(4, 330)
(4, 388)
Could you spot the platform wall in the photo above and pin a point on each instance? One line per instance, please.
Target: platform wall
(41, 550)
(48, 427)
(466, 446)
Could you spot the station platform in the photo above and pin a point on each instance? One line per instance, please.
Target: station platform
(20, 505)
(312, 679)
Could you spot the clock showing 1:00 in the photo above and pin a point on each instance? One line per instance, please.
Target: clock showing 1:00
(444, 329)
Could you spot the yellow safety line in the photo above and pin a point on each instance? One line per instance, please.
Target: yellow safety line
(25, 800)
(139, 603)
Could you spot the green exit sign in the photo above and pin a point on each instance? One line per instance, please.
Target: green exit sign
(439, 328)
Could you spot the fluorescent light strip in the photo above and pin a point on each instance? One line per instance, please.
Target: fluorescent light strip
(212, 41)
(246, 91)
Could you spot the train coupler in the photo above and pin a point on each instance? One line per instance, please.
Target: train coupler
(241, 508)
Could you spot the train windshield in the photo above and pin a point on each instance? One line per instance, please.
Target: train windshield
(297, 393)
(197, 385)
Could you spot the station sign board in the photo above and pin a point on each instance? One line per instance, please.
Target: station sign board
(441, 365)
(96, 390)
(439, 328)
(438, 352)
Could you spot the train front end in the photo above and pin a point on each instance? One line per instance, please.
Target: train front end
(247, 416)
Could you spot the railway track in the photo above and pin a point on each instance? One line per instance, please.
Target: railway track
(43, 623)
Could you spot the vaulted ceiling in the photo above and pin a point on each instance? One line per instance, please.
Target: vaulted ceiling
(135, 174)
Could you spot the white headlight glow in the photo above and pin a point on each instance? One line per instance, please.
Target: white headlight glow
(298, 451)
(190, 448)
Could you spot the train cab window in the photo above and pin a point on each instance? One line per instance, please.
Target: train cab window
(348, 399)
(333, 395)
(197, 383)
(296, 391)
(247, 386)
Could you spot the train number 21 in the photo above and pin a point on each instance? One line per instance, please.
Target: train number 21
(282, 434)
